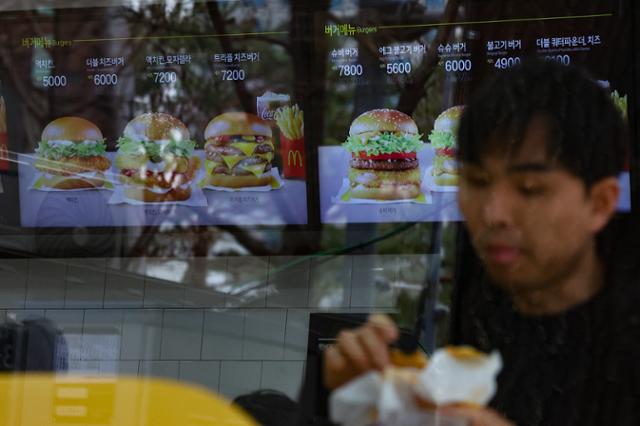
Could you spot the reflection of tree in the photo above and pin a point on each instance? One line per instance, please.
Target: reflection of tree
(200, 92)
(407, 95)
(199, 96)
(227, 46)
(415, 90)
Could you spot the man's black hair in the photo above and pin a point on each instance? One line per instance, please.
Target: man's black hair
(586, 130)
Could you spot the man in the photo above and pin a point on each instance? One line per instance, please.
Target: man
(540, 150)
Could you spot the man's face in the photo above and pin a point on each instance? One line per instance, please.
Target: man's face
(530, 220)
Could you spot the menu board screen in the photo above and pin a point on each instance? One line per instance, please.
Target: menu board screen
(398, 73)
(179, 112)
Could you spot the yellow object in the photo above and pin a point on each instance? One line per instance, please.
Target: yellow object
(290, 120)
(416, 360)
(67, 400)
(270, 143)
(232, 160)
(267, 156)
(210, 165)
(295, 158)
(256, 169)
(247, 148)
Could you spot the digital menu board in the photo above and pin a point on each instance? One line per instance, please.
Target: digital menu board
(154, 113)
(193, 112)
(398, 73)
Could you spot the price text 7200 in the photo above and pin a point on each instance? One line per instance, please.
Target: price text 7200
(165, 77)
(233, 75)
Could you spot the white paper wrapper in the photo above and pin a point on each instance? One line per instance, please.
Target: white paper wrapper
(355, 403)
(448, 379)
(197, 198)
(390, 398)
(423, 418)
(344, 197)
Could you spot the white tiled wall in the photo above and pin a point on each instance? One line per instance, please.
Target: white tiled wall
(124, 283)
(288, 282)
(182, 334)
(223, 334)
(248, 279)
(46, 284)
(233, 325)
(239, 377)
(70, 322)
(330, 282)
(263, 336)
(85, 283)
(14, 282)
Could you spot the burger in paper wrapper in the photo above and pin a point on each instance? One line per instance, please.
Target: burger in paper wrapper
(459, 375)
(454, 375)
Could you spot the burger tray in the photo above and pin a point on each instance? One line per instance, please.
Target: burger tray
(344, 197)
(38, 186)
(197, 199)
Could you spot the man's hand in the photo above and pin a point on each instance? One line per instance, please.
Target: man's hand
(358, 351)
(477, 416)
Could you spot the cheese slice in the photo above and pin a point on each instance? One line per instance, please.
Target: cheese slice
(256, 169)
(210, 165)
(248, 148)
(232, 160)
(267, 156)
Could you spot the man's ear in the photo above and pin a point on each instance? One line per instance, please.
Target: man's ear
(604, 196)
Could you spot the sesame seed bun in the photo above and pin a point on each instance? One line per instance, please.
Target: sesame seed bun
(237, 124)
(73, 129)
(155, 127)
(383, 120)
(449, 120)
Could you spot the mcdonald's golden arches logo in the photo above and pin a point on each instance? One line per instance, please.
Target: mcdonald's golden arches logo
(294, 157)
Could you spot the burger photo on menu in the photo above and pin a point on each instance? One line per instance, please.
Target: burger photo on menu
(384, 165)
(156, 162)
(239, 154)
(71, 155)
(443, 174)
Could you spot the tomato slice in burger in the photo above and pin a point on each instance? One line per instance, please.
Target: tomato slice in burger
(381, 157)
(446, 152)
(223, 139)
